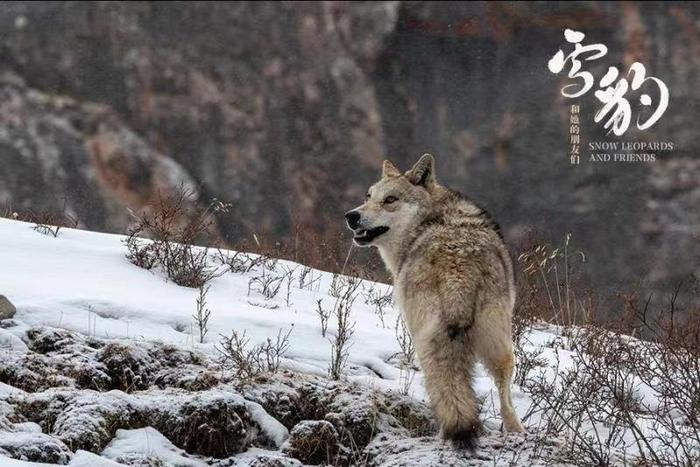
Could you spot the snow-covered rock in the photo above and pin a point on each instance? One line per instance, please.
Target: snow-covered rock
(314, 442)
(494, 448)
(147, 445)
(34, 447)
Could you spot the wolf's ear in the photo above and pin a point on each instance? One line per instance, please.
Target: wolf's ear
(389, 170)
(423, 173)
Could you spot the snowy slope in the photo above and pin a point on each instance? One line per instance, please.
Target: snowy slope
(81, 281)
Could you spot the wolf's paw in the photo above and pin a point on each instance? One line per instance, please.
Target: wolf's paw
(463, 437)
(513, 426)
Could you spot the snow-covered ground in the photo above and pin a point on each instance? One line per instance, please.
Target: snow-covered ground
(81, 281)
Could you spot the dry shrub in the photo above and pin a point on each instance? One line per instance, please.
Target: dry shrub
(407, 355)
(202, 314)
(51, 223)
(549, 287)
(246, 362)
(266, 284)
(47, 222)
(345, 295)
(548, 291)
(620, 399)
(628, 398)
(332, 251)
(380, 299)
(238, 262)
(323, 314)
(175, 224)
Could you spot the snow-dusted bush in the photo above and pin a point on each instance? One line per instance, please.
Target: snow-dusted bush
(45, 340)
(412, 415)
(314, 442)
(215, 422)
(357, 414)
(60, 358)
(31, 372)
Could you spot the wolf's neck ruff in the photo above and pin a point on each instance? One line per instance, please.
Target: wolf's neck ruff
(394, 260)
(450, 209)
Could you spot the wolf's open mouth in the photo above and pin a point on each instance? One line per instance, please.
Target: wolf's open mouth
(363, 237)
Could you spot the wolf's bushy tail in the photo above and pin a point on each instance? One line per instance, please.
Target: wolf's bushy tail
(448, 365)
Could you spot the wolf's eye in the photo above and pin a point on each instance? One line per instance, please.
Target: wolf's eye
(390, 199)
(367, 196)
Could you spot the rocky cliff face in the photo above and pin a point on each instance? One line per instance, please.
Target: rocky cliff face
(286, 110)
(62, 154)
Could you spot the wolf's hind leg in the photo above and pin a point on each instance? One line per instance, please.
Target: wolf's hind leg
(501, 369)
(495, 348)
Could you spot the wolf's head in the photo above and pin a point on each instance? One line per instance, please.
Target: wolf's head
(394, 205)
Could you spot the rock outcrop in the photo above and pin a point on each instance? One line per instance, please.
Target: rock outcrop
(7, 309)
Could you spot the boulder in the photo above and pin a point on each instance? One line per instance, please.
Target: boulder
(7, 309)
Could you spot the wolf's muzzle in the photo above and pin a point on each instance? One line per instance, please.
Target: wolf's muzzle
(353, 219)
(364, 237)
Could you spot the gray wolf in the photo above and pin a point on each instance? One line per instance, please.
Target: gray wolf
(453, 281)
